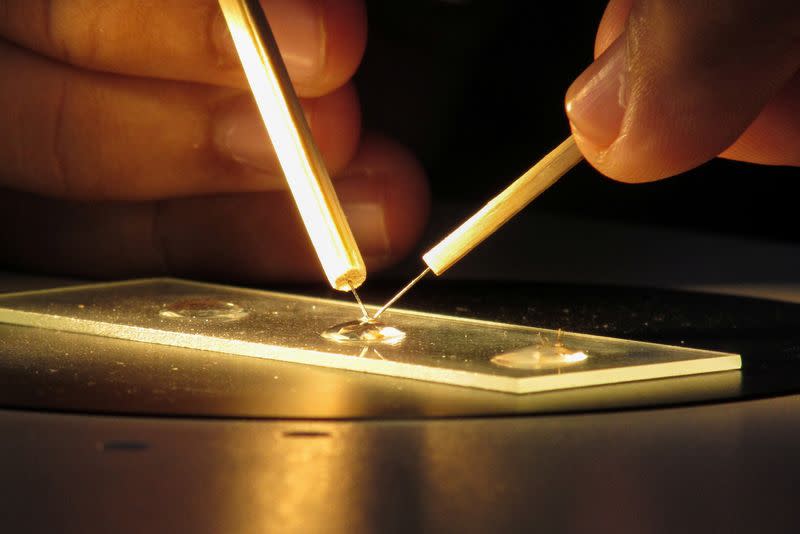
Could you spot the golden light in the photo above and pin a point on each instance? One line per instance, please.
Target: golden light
(299, 157)
(575, 357)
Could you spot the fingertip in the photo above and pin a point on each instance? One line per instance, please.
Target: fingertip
(627, 162)
(619, 161)
(691, 86)
(598, 158)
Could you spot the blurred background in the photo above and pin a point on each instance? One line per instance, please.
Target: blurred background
(476, 88)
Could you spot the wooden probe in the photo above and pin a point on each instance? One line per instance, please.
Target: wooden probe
(496, 213)
(297, 153)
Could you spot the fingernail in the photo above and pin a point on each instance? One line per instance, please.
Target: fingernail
(298, 26)
(239, 134)
(596, 100)
(369, 228)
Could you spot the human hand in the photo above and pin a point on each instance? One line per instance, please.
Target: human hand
(678, 82)
(131, 145)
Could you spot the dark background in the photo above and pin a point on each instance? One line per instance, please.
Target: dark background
(476, 88)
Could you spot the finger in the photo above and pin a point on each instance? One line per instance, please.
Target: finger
(612, 24)
(322, 41)
(247, 237)
(82, 134)
(774, 137)
(682, 83)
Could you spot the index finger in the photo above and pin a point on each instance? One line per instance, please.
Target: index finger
(321, 41)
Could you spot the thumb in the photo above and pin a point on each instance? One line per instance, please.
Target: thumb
(681, 83)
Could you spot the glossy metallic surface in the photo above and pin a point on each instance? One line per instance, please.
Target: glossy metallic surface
(715, 468)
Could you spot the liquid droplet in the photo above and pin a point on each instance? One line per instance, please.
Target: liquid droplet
(204, 309)
(540, 357)
(361, 332)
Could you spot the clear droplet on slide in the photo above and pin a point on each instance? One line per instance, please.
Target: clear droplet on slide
(540, 356)
(361, 332)
(204, 309)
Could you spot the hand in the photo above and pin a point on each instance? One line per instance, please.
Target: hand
(131, 145)
(678, 82)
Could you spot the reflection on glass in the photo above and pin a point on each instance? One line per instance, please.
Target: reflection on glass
(284, 327)
(364, 332)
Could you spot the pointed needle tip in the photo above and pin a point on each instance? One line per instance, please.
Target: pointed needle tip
(364, 312)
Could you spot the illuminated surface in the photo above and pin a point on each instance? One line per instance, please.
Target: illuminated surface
(364, 331)
(545, 353)
(291, 137)
(287, 327)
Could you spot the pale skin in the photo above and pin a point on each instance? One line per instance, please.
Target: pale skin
(130, 145)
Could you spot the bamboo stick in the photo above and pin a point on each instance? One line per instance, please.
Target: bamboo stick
(503, 207)
(299, 157)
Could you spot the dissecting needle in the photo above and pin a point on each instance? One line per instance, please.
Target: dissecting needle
(495, 213)
(400, 293)
(364, 312)
(294, 145)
